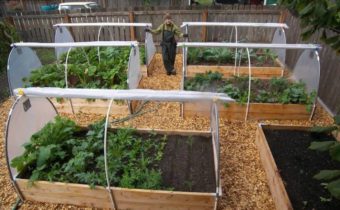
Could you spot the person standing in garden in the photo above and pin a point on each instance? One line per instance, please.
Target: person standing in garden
(169, 30)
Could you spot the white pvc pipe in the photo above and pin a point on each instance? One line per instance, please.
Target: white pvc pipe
(249, 86)
(105, 157)
(66, 77)
(236, 40)
(76, 44)
(249, 45)
(98, 48)
(99, 24)
(133, 94)
(239, 24)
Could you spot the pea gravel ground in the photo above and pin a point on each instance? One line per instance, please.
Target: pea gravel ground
(243, 178)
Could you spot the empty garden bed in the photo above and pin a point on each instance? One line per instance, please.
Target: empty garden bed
(290, 166)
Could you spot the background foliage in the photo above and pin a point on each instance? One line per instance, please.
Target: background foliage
(318, 15)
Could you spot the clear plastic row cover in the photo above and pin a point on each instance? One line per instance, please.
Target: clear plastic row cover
(21, 62)
(150, 48)
(214, 125)
(62, 34)
(134, 69)
(280, 38)
(27, 116)
(307, 69)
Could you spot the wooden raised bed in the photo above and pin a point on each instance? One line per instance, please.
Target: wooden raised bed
(82, 195)
(132, 199)
(257, 111)
(277, 185)
(228, 71)
(95, 107)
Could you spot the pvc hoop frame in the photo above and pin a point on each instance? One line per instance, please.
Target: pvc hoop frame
(252, 45)
(105, 157)
(107, 24)
(282, 26)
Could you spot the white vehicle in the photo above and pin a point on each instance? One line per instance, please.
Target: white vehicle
(77, 6)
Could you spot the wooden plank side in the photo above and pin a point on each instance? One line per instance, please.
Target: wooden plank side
(275, 182)
(257, 111)
(82, 195)
(97, 107)
(228, 71)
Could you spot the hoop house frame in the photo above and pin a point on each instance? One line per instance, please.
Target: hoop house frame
(19, 68)
(279, 37)
(63, 34)
(307, 69)
(108, 197)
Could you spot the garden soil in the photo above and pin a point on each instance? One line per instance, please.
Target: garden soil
(243, 178)
(298, 164)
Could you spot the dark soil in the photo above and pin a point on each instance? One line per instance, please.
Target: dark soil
(297, 165)
(188, 164)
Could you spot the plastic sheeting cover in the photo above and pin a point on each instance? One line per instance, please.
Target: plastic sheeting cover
(280, 38)
(214, 124)
(26, 117)
(149, 47)
(135, 94)
(62, 35)
(307, 69)
(21, 62)
(134, 69)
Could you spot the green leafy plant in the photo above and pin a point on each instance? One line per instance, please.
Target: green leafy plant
(331, 177)
(85, 70)
(203, 81)
(275, 90)
(64, 152)
(8, 35)
(265, 56)
(227, 56)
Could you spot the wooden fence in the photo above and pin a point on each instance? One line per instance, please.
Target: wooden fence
(40, 27)
(329, 60)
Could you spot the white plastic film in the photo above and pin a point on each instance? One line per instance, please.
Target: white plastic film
(280, 38)
(134, 69)
(27, 116)
(214, 124)
(307, 69)
(135, 94)
(150, 48)
(21, 62)
(62, 35)
(249, 45)
(239, 24)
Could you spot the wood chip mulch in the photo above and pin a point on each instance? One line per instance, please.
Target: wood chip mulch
(243, 178)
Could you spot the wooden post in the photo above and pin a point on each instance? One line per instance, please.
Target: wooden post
(10, 20)
(283, 16)
(67, 19)
(23, 6)
(204, 28)
(132, 28)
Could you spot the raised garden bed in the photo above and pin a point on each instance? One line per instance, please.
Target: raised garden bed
(277, 98)
(86, 71)
(265, 64)
(290, 167)
(153, 168)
